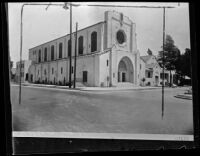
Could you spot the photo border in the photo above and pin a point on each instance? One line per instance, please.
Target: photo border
(27, 145)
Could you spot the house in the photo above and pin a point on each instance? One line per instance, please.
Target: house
(151, 74)
(13, 73)
(25, 64)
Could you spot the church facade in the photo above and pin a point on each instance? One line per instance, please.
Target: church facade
(107, 55)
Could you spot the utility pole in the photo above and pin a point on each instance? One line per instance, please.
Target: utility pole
(20, 64)
(70, 55)
(75, 56)
(163, 72)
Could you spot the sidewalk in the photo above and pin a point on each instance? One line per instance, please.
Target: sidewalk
(116, 88)
(92, 88)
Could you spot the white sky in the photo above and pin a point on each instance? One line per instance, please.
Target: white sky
(41, 25)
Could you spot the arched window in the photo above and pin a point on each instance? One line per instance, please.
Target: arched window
(94, 41)
(52, 52)
(69, 47)
(121, 38)
(45, 54)
(80, 45)
(60, 50)
(39, 56)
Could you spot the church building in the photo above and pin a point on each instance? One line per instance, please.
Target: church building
(107, 55)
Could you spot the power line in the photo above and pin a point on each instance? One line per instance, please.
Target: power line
(122, 6)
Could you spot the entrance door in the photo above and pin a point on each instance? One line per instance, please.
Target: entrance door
(26, 78)
(123, 77)
(156, 80)
(84, 76)
(125, 70)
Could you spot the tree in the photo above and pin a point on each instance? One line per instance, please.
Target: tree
(171, 56)
(149, 52)
(186, 63)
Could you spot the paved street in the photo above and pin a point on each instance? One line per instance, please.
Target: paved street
(131, 111)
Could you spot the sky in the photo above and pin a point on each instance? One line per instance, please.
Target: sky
(41, 25)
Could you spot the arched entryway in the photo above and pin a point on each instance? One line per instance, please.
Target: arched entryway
(125, 70)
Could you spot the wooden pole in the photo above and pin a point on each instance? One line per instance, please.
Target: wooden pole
(75, 57)
(70, 56)
(20, 64)
(163, 63)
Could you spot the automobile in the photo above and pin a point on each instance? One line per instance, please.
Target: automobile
(174, 85)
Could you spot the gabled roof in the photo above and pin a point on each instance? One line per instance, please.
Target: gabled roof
(152, 65)
(145, 58)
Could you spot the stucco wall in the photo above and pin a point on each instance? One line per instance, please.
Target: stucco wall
(113, 24)
(89, 64)
(104, 74)
(117, 55)
(126, 49)
(84, 63)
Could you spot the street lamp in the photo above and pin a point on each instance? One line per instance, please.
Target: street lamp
(21, 33)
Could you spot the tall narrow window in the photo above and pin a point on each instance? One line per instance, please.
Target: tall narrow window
(45, 54)
(52, 52)
(149, 74)
(94, 41)
(80, 45)
(69, 48)
(72, 69)
(39, 56)
(60, 50)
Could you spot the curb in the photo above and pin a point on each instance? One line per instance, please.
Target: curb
(51, 86)
(89, 89)
(183, 97)
(121, 89)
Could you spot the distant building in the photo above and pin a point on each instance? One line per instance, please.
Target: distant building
(152, 73)
(107, 55)
(24, 70)
(13, 74)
